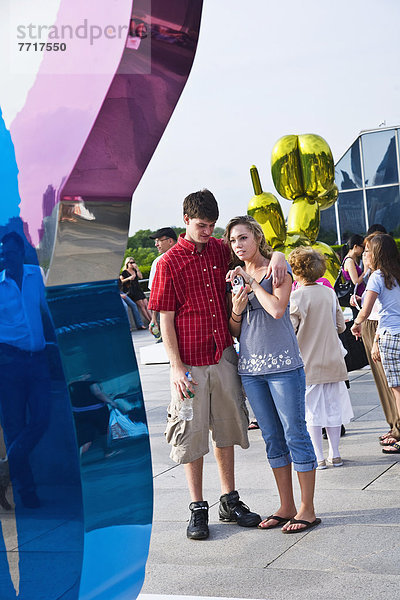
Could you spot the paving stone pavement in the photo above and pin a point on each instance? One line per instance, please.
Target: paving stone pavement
(353, 554)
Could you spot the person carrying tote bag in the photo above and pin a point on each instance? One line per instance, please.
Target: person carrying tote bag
(351, 272)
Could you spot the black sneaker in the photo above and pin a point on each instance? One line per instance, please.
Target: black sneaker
(198, 524)
(233, 509)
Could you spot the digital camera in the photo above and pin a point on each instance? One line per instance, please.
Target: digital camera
(237, 284)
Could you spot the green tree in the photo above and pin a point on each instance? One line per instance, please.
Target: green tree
(141, 239)
(142, 256)
(178, 230)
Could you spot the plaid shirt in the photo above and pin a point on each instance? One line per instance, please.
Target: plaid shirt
(192, 284)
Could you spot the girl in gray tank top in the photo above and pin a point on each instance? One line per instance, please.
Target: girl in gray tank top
(272, 372)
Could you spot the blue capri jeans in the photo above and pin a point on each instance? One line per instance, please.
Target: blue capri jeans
(277, 400)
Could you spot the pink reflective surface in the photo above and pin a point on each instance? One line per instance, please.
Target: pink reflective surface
(87, 133)
(51, 129)
(132, 119)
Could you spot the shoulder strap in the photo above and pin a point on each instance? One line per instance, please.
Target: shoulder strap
(334, 309)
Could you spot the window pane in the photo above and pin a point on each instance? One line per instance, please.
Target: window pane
(328, 230)
(384, 208)
(351, 214)
(380, 161)
(348, 169)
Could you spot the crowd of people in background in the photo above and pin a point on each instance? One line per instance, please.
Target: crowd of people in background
(291, 364)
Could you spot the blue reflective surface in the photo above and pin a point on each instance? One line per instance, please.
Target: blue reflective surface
(348, 169)
(384, 207)
(85, 514)
(327, 230)
(351, 214)
(9, 206)
(380, 160)
(95, 344)
(40, 483)
(380, 184)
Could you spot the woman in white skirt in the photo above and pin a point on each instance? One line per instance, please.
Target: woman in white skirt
(317, 319)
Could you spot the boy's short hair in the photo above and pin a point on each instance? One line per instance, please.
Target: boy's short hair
(307, 263)
(201, 205)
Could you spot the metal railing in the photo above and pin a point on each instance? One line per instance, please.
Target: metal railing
(146, 291)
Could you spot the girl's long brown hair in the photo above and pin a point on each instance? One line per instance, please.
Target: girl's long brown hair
(386, 257)
(255, 229)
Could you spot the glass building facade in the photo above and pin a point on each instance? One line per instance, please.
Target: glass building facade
(367, 176)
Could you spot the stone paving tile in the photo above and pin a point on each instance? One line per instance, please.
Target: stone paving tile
(353, 554)
(268, 584)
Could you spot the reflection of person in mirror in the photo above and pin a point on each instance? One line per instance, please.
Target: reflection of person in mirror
(171, 36)
(4, 474)
(24, 374)
(91, 415)
(137, 32)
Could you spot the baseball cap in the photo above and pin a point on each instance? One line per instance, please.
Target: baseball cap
(164, 232)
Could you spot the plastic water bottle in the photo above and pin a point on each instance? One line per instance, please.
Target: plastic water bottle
(186, 411)
(155, 331)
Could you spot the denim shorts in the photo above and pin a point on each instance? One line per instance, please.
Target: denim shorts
(277, 400)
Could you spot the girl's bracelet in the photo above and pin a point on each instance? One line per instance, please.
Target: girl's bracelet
(234, 320)
(233, 312)
(251, 281)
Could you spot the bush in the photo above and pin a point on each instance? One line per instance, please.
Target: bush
(145, 269)
(141, 239)
(143, 256)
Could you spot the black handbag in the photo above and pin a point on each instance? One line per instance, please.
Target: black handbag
(344, 288)
(356, 357)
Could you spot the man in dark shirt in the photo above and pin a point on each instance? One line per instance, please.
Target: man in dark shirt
(24, 376)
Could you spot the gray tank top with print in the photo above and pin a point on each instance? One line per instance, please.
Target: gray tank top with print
(267, 345)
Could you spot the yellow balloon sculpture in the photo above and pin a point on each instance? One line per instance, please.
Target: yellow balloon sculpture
(267, 211)
(303, 171)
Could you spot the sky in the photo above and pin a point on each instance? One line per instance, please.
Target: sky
(263, 70)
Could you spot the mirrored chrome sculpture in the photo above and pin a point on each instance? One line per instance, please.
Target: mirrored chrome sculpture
(75, 468)
(303, 171)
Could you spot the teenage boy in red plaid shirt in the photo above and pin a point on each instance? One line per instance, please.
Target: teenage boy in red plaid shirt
(189, 291)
